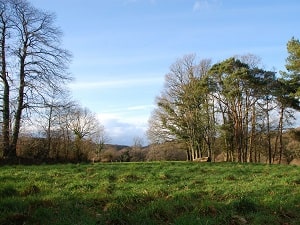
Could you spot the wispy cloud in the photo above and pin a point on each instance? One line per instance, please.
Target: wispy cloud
(139, 107)
(125, 83)
(118, 112)
(201, 5)
(124, 120)
(197, 6)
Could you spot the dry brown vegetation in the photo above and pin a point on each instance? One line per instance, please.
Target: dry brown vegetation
(34, 150)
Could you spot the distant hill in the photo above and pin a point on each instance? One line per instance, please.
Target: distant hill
(116, 146)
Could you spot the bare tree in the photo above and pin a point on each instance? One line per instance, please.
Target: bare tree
(84, 125)
(5, 25)
(100, 138)
(138, 142)
(47, 119)
(38, 64)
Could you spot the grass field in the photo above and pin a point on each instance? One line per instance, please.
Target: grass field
(150, 193)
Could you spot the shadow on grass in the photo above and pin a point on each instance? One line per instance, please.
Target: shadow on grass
(147, 208)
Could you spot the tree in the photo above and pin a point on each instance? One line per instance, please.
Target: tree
(48, 121)
(100, 138)
(250, 125)
(293, 67)
(84, 125)
(64, 132)
(234, 101)
(287, 90)
(293, 63)
(285, 104)
(137, 142)
(31, 46)
(180, 107)
(239, 88)
(233, 74)
(156, 132)
(5, 25)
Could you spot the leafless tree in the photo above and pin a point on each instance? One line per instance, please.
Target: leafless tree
(84, 125)
(33, 64)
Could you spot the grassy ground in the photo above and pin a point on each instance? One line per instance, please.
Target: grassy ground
(150, 193)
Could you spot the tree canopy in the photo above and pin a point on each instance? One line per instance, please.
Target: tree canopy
(235, 104)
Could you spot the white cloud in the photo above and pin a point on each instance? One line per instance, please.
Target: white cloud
(122, 125)
(206, 5)
(140, 107)
(122, 131)
(134, 115)
(117, 83)
(197, 6)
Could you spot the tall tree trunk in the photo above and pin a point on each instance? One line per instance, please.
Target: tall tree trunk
(5, 109)
(20, 107)
(188, 155)
(276, 145)
(246, 130)
(252, 135)
(240, 132)
(78, 143)
(280, 134)
(269, 135)
(49, 135)
(212, 132)
(6, 117)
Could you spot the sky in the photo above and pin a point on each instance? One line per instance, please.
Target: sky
(122, 49)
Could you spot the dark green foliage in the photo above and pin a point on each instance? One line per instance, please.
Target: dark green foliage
(293, 64)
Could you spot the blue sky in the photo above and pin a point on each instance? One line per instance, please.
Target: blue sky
(122, 49)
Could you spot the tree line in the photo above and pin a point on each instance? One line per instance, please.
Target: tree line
(38, 117)
(235, 105)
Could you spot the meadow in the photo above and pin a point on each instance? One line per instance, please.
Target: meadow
(150, 193)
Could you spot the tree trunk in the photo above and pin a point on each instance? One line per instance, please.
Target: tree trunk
(20, 107)
(49, 135)
(252, 135)
(5, 109)
(6, 117)
(188, 155)
(280, 134)
(269, 137)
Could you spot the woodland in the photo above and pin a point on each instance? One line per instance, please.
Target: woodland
(234, 107)
(233, 110)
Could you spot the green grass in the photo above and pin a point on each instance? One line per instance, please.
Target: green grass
(150, 193)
